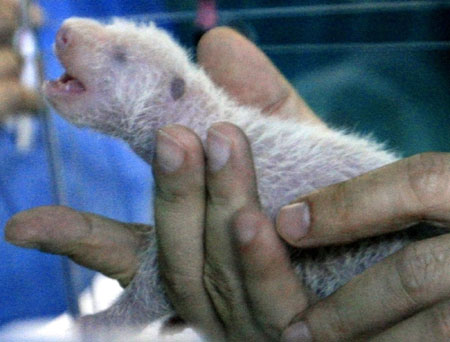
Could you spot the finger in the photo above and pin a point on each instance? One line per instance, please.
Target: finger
(15, 98)
(274, 291)
(179, 215)
(9, 64)
(401, 194)
(403, 284)
(96, 242)
(245, 72)
(231, 186)
(431, 325)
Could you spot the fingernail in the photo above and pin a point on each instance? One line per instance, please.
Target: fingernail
(18, 234)
(245, 234)
(293, 221)
(298, 332)
(169, 154)
(218, 148)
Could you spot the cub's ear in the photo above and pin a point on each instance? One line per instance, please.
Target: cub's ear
(177, 88)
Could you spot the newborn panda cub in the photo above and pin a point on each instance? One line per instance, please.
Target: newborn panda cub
(129, 80)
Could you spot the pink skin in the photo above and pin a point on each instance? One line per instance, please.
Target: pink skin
(76, 90)
(66, 86)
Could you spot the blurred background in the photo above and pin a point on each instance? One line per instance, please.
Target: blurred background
(379, 67)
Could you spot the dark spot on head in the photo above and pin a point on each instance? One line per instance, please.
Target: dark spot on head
(177, 88)
(120, 54)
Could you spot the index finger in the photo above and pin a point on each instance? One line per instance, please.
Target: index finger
(93, 241)
(407, 192)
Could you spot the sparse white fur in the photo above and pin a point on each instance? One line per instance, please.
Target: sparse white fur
(132, 99)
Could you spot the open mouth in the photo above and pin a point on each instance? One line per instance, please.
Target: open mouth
(66, 84)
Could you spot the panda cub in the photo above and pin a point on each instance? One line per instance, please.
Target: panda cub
(129, 80)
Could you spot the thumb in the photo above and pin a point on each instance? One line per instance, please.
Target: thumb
(247, 74)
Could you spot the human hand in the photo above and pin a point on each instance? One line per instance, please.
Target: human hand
(404, 297)
(94, 241)
(246, 290)
(14, 97)
(194, 215)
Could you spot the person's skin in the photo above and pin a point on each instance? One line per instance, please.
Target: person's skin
(14, 98)
(246, 289)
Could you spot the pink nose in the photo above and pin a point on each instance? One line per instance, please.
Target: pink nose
(63, 38)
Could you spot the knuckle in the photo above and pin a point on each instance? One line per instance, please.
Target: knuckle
(228, 200)
(173, 194)
(221, 288)
(340, 193)
(248, 215)
(216, 282)
(336, 328)
(220, 199)
(167, 195)
(420, 267)
(429, 177)
(440, 316)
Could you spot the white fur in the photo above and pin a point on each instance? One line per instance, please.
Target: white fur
(132, 100)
